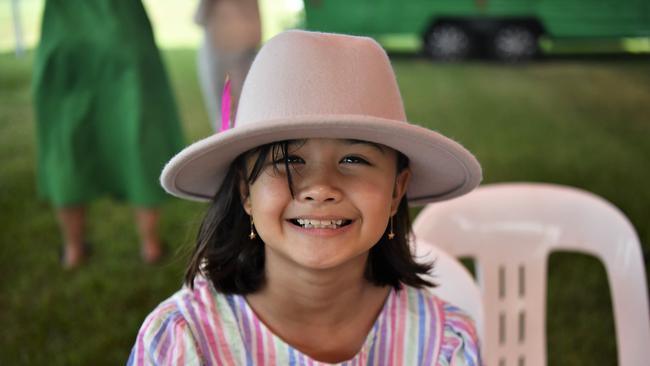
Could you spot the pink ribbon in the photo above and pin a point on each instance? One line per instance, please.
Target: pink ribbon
(226, 105)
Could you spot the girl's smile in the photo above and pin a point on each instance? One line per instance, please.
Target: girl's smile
(321, 226)
(344, 192)
(320, 223)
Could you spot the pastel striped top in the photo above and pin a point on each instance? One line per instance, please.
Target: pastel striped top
(204, 327)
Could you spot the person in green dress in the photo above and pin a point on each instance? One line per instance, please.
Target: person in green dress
(105, 114)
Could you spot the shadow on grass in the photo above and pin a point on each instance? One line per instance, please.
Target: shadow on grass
(552, 57)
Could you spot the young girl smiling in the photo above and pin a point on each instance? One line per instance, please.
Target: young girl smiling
(303, 257)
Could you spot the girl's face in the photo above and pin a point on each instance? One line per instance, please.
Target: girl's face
(344, 194)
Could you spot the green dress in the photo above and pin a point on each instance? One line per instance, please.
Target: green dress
(106, 117)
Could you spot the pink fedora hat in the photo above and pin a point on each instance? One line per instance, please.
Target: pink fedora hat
(319, 85)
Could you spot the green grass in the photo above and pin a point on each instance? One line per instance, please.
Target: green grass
(564, 121)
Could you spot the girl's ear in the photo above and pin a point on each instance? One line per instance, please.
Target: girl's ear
(244, 195)
(401, 183)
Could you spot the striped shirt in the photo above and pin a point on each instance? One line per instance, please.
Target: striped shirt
(204, 327)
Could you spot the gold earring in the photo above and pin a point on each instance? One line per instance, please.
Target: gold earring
(252, 235)
(391, 234)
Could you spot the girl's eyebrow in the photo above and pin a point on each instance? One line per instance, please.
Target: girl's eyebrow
(379, 147)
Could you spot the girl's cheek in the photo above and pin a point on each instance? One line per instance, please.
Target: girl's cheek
(378, 186)
(268, 190)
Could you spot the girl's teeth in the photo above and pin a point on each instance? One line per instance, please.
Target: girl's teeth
(319, 224)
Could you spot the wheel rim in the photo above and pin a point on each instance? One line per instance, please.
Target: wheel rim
(448, 42)
(515, 42)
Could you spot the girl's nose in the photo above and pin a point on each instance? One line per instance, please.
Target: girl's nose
(318, 187)
(320, 193)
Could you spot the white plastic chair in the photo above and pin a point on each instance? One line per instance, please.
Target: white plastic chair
(455, 283)
(509, 230)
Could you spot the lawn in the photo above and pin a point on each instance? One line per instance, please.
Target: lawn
(579, 122)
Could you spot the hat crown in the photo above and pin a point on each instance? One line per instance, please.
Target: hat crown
(316, 85)
(301, 74)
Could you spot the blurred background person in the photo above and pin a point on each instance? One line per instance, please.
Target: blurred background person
(106, 117)
(232, 32)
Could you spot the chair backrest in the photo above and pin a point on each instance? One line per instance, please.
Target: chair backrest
(455, 283)
(509, 230)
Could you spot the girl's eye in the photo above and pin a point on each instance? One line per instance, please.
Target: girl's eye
(354, 160)
(291, 159)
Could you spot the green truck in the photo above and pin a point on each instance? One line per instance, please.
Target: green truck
(455, 29)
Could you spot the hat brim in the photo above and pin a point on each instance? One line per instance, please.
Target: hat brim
(441, 168)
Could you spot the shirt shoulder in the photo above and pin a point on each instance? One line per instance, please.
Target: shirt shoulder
(165, 337)
(460, 345)
(458, 339)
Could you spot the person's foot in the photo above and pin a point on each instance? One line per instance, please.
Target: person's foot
(73, 256)
(151, 252)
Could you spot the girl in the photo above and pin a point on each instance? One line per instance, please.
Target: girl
(303, 256)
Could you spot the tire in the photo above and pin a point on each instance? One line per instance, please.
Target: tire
(449, 42)
(513, 43)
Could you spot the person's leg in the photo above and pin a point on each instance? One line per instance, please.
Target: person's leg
(72, 222)
(240, 64)
(208, 74)
(147, 220)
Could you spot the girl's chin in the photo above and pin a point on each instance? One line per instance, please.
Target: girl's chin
(327, 261)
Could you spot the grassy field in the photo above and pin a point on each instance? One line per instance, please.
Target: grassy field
(580, 122)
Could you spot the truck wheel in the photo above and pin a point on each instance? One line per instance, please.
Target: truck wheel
(448, 42)
(515, 43)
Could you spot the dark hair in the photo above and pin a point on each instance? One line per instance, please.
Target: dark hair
(234, 263)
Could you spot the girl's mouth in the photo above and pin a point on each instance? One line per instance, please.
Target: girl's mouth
(320, 224)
